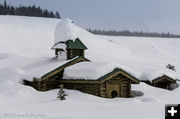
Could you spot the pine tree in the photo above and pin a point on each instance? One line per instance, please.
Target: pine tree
(52, 15)
(57, 15)
(5, 5)
(26, 11)
(61, 94)
(46, 13)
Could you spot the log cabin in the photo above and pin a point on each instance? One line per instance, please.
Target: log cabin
(115, 82)
(81, 74)
(164, 82)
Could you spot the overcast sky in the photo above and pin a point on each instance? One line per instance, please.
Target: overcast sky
(147, 15)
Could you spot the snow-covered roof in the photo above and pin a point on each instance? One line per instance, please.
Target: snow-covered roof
(152, 74)
(59, 46)
(66, 30)
(42, 70)
(95, 70)
(43, 67)
(70, 44)
(91, 70)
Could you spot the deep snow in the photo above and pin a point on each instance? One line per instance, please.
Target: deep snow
(66, 30)
(92, 70)
(25, 46)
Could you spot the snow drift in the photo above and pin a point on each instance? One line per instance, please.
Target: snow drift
(66, 30)
(25, 47)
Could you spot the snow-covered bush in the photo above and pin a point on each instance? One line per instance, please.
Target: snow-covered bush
(61, 94)
(171, 67)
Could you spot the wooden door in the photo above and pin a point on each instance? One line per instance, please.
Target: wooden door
(112, 89)
(125, 89)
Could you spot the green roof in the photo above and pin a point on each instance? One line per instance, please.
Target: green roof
(115, 71)
(77, 44)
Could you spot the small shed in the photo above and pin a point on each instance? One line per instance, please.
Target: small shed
(72, 48)
(163, 82)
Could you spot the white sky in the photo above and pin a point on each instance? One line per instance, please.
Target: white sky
(147, 15)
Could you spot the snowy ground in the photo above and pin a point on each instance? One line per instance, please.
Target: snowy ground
(25, 44)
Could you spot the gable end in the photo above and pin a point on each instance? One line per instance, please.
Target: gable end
(117, 71)
(162, 78)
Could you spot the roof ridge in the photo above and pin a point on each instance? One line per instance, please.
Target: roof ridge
(71, 60)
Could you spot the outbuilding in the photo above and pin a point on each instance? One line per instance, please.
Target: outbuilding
(71, 48)
(163, 82)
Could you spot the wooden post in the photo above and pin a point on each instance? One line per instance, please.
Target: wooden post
(129, 83)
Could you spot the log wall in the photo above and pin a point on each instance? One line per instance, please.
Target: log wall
(73, 53)
(119, 83)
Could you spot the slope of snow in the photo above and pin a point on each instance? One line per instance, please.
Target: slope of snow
(25, 46)
(27, 36)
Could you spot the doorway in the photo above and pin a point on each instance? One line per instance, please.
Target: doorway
(113, 89)
(114, 94)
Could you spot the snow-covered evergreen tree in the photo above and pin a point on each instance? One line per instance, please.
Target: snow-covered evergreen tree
(61, 94)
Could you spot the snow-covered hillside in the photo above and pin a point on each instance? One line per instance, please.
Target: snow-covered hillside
(25, 45)
(27, 36)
